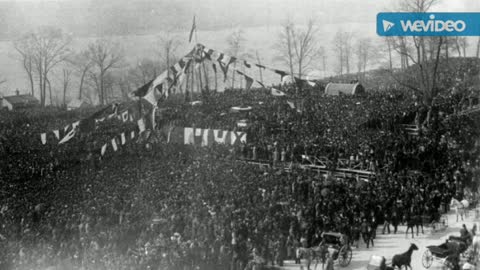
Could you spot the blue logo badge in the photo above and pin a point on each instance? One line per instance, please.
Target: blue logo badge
(428, 24)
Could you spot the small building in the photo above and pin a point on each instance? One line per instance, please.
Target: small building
(77, 104)
(334, 89)
(18, 102)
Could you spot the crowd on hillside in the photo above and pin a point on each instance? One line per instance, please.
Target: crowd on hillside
(154, 205)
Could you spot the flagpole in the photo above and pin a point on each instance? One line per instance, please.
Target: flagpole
(196, 37)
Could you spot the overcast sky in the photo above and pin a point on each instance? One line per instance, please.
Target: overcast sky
(124, 16)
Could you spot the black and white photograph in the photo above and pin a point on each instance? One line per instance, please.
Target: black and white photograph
(239, 134)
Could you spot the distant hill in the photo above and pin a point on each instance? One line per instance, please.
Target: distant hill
(462, 71)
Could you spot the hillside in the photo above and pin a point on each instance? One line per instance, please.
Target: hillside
(455, 70)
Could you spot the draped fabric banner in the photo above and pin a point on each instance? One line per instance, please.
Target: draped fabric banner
(203, 137)
(86, 125)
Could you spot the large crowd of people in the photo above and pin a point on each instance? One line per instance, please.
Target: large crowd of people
(155, 205)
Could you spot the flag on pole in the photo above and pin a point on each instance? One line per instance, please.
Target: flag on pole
(194, 28)
(277, 93)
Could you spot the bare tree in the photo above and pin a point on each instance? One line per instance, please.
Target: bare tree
(417, 5)
(285, 45)
(298, 46)
(363, 53)
(306, 47)
(82, 63)
(235, 46)
(389, 41)
(425, 54)
(338, 49)
(342, 46)
(65, 83)
(402, 43)
(147, 69)
(461, 44)
(168, 44)
(25, 50)
(43, 49)
(348, 50)
(104, 56)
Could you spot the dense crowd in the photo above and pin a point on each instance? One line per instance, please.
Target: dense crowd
(153, 205)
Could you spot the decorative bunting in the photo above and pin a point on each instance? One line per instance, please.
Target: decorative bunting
(231, 60)
(104, 149)
(281, 73)
(153, 96)
(208, 53)
(125, 116)
(57, 134)
(43, 137)
(247, 64)
(141, 125)
(248, 82)
(68, 136)
(123, 140)
(114, 145)
(143, 90)
(291, 104)
(224, 70)
(214, 67)
(277, 93)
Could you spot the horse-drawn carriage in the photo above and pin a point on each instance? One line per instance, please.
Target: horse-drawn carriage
(337, 245)
(333, 244)
(449, 253)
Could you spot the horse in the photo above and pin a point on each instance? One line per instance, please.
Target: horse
(308, 255)
(460, 207)
(405, 258)
(413, 221)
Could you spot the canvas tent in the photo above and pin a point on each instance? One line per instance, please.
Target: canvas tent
(334, 89)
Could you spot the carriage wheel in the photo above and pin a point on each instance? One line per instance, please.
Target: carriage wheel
(344, 256)
(427, 259)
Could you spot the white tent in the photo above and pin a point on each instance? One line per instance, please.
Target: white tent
(334, 89)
